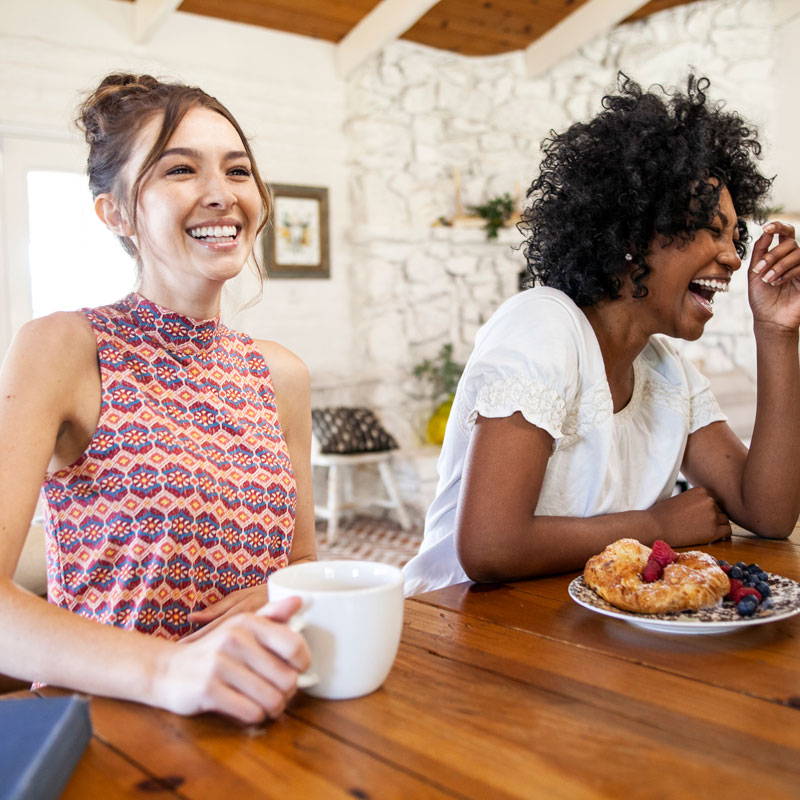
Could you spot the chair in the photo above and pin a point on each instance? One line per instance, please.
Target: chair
(345, 439)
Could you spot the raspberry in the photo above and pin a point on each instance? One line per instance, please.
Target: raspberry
(663, 553)
(652, 571)
(736, 587)
(749, 590)
(739, 590)
(726, 568)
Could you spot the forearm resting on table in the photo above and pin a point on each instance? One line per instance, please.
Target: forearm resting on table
(545, 545)
(40, 642)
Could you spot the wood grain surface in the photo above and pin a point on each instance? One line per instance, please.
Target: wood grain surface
(500, 691)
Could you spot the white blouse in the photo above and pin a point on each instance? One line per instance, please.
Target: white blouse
(539, 355)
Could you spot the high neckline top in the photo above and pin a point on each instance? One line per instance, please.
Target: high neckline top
(186, 490)
(171, 330)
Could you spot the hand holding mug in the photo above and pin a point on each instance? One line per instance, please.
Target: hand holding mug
(351, 618)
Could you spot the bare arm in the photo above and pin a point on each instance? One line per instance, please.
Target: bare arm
(760, 489)
(248, 669)
(499, 537)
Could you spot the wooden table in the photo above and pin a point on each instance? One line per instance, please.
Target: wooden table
(499, 692)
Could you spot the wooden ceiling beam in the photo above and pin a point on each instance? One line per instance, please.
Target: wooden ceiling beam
(149, 15)
(388, 20)
(592, 19)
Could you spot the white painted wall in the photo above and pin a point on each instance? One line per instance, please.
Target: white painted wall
(785, 119)
(282, 88)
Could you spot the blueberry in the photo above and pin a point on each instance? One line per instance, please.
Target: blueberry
(753, 568)
(741, 565)
(762, 587)
(747, 606)
(736, 572)
(722, 562)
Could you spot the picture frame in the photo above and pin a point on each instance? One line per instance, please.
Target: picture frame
(295, 243)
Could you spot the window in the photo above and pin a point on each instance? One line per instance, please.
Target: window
(55, 255)
(73, 259)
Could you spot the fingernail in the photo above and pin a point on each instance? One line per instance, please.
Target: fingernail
(769, 276)
(758, 267)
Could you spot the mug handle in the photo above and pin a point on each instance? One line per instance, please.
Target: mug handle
(296, 623)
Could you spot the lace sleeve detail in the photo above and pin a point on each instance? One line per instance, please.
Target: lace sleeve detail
(540, 405)
(703, 410)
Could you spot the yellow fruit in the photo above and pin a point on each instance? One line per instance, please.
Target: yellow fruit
(438, 422)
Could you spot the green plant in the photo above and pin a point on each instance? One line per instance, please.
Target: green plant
(441, 373)
(496, 212)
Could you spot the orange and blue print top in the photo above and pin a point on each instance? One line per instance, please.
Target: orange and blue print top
(185, 492)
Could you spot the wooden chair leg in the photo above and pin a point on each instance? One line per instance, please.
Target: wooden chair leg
(333, 503)
(394, 496)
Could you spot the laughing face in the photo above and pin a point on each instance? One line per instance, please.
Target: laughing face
(199, 207)
(686, 276)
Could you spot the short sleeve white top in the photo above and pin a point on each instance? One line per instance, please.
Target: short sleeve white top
(539, 355)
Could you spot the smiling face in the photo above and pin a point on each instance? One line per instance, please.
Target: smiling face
(198, 208)
(686, 276)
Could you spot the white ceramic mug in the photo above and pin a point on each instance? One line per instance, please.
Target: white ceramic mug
(352, 617)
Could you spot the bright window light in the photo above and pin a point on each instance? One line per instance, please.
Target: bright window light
(75, 261)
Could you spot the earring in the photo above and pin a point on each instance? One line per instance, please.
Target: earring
(628, 257)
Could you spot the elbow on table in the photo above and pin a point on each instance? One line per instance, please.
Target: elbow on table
(482, 565)
(775, 530)
(771, 526)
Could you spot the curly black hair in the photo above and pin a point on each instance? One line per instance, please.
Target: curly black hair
(651, 163)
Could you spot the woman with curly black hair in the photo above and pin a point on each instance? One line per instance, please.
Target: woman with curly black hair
(574, 417)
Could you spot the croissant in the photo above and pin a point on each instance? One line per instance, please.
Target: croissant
(693, 581)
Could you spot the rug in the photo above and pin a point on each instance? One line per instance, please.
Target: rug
(369, 539)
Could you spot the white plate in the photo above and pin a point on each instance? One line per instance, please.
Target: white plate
(719, 619)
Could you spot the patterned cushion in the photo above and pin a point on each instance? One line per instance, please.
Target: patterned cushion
(350, 430)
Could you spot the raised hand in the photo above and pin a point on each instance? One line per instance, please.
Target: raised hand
(774, 277)
(692, 517)
(246, 667)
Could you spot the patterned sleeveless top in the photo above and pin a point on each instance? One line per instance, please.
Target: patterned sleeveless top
(185, 492)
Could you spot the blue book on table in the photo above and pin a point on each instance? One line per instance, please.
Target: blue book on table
(41, 741)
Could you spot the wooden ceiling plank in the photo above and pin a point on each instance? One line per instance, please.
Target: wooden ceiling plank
(149, 15)
(498, 26)
(388, 20)
(585, 23)
(653, 7)
(340, 14)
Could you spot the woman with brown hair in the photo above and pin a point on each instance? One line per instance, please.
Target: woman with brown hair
(173, 452)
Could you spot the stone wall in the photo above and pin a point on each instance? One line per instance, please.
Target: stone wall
(414, 115)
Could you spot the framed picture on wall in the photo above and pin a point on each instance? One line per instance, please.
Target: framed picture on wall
(296, 241)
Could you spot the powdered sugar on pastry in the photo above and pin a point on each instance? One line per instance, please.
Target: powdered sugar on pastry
(694, 580)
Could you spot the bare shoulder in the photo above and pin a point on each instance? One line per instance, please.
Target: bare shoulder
(58, 344)
(50, 374)
(290, 375)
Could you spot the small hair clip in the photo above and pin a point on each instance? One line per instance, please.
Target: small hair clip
(628, 257)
